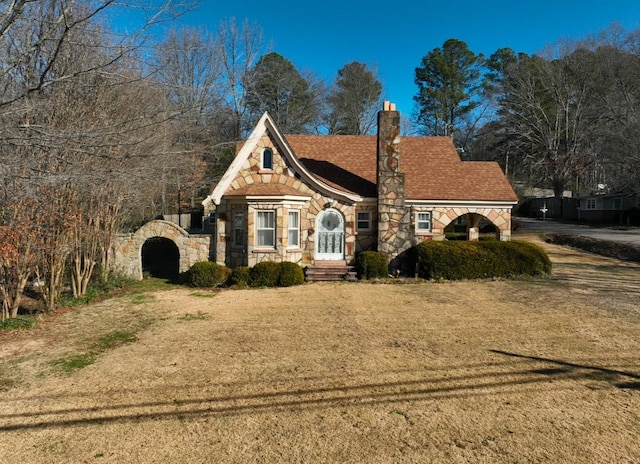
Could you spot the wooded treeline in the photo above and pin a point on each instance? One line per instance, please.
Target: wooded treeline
(101, 131)
(567, 118)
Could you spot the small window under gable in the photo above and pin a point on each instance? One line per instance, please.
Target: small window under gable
(267, 159)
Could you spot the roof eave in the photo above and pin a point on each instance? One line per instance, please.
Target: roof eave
(463, 203)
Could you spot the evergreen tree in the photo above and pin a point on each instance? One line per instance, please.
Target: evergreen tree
(353, 101)
(275, 85)
(449, 85)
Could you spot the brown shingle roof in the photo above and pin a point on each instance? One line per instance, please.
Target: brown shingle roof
(432, 167)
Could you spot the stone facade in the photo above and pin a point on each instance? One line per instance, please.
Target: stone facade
(127, 248)
(235, 231)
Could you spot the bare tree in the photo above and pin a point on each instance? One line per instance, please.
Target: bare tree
(70, 133)
(241, 47)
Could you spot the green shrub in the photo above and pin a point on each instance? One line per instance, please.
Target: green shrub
(206, 274)
(240, 276)
(264, 274)
(372, 265)
(290, 274)
(484, 259)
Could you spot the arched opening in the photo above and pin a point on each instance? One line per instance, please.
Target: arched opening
(471, 226)
(160, 258)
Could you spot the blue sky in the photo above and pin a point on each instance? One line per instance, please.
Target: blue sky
(392, 36)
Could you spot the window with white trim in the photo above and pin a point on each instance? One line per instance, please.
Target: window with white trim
(267, 159)
(364, 221)
(293, 231)
(591, 203)
(423, 222)
(238, 229)
(266, 229)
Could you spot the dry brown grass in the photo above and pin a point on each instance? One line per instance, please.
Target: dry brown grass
(535, 371)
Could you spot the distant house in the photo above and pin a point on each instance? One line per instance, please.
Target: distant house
(314, 199)
(616, 207)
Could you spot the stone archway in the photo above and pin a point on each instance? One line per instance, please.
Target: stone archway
(500, 218)
(160, 258)
(182, 248)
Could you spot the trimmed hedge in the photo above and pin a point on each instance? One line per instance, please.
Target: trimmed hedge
(206, 274)
(264, 274)
(372, 265)
(290, 274)
(475, 260)
(240, 276)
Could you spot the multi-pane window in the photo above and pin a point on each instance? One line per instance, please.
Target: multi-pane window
(423, 222)
(267, 159)
(238, 229)
(364, 220)
(591, 203)
(294, 229)
(266, 229)
(617, 203)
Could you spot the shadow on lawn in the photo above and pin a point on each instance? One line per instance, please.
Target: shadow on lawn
(588, 371)
(444, 386)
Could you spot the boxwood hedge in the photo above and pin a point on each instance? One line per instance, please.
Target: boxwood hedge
(458, 260)
(372, 265)
(264, 274)
(206, 274)
(290, 274)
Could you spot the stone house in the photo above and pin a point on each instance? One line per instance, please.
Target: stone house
(318, 199)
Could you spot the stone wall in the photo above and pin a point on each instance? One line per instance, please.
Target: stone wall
(127, 248)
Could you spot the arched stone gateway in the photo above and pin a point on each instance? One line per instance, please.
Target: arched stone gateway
(499, 217)
(160, 258)
(159, 241)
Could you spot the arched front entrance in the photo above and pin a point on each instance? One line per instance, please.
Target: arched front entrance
(329, 235)
(160, 258)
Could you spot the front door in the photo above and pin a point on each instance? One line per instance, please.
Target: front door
(329, 235)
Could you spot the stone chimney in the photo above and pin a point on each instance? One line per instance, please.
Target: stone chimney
(393, 217)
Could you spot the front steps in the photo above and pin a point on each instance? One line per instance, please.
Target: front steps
(321, 271)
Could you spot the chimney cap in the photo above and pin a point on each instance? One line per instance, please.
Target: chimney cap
(388, 106)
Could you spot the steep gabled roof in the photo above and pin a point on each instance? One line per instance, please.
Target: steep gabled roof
(432, 167)
(266, 125)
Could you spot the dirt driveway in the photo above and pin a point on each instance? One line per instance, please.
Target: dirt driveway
(536, 371)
